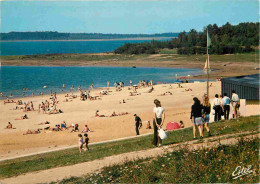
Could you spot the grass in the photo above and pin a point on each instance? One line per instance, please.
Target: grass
(168, 51)
(211, 165)
(72, 156)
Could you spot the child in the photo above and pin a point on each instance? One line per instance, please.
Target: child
(148, 125)
(86, 140)
(80, 142)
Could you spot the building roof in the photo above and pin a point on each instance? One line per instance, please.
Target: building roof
(245, 80)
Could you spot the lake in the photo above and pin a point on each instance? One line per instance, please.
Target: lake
(14, 78)
(62, 47)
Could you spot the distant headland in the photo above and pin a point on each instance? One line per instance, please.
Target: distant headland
(54, 35)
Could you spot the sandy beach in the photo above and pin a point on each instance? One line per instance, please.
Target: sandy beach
(177, 106)
(12, 141)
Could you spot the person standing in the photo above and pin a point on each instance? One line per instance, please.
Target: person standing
(206, 106)
(107, 84)
(226, 105)
(235, 103)
(159, 117)
(80, 142)
(138, 124)
(196, 117)
(217, 108)
(131, 83)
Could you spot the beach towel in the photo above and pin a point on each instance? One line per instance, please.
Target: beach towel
(172, 126)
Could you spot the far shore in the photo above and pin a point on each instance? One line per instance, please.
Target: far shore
(83, 40)
(221, 65)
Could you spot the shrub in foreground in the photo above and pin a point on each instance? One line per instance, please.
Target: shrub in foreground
(214, 165)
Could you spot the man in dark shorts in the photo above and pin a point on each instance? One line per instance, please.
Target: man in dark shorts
(138, 124)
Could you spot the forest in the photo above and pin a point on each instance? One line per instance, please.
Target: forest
(226, 39)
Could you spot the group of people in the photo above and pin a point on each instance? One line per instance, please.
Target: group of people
(200, 112)
(83, 142)
(222, 106)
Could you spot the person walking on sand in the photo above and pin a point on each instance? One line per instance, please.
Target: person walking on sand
(138, 124)
(196, 117)
(131, 83)
(80, 142)
(226, 104)
(235, 103)
(159, 117)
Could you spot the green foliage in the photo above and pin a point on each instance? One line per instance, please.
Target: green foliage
(211, 165)
(140, 48)
(227, 39)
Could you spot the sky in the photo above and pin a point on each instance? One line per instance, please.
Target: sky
(124, 17)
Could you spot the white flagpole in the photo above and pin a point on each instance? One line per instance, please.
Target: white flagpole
(207, 66)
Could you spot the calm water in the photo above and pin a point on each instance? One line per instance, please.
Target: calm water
(14, 78)
(51, 47)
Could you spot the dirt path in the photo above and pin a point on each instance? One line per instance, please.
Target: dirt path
(78, 170)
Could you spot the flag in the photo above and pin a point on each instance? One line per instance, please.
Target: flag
(208, 40)
(205, 67)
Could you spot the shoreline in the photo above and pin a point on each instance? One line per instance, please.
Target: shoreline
(83, 40)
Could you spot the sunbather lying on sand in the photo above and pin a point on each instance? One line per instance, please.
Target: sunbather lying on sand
(113, 114)
(181, 124)
(44, 123)
(32, 132)
(55, 111)
(151, 90)
(57, 128)
(166, 93)
(122, 113)
(67, 100)
(132, 94)
(22, 117)
(97, 115)
(122, 101)
(189, 89)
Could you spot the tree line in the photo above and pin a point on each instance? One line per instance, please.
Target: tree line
(54, 35)
(227, 39)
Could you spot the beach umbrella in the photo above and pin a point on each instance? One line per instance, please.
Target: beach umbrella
(172, 126)
(159, 82)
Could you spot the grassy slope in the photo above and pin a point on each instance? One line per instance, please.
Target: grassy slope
(72, 156)
(212, 165)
